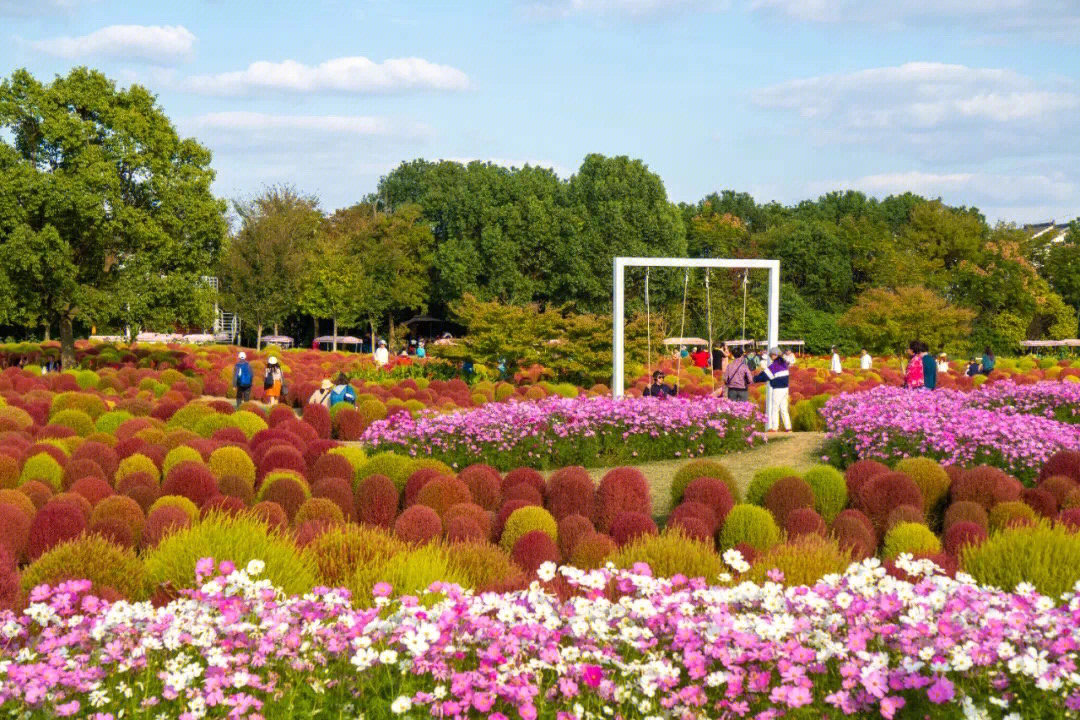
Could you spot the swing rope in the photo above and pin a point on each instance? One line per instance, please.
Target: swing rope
(708, 318)
(682, 327)
(745, 280)
(648, 325)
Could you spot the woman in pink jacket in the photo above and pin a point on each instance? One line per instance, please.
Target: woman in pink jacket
(913, 376)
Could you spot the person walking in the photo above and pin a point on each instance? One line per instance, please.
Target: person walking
(988, 361)
(865, 361)
(737, 377)
(273, 381)
(242, 379)
(382, 355)
(930, 367)
(835, 367)
(913, 375)
(322, 395)
(776, 374)
(342, 391)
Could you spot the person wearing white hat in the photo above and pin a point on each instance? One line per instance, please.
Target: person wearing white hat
(273, 381)
(322, 395)
(382, 355)
(242, 379)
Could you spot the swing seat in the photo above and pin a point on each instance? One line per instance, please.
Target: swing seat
(686, 341)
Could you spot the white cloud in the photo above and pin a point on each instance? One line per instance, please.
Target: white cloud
(26, 8)
(344, 75)
(159, 44)
(935, 110)
(558, 169)
(550, 9)
(253, 129)
(1056, 17)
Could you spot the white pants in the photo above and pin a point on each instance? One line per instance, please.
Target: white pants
(778, 409)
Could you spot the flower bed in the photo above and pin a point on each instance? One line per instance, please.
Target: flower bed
(573, 431)
(859, 644)
(1008, 426)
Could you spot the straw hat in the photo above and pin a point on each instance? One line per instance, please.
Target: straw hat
(326, 384)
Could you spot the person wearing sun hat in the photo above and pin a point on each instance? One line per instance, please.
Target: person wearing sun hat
(322, 395)
(242, 379)
(273, 381)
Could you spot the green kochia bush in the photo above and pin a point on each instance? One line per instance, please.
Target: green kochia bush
(694, 469)
(749, 524)
(909, 537)
(1043, 554)
(763, 480)
(830, 490)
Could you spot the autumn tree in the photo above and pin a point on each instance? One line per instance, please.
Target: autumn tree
(886, 320)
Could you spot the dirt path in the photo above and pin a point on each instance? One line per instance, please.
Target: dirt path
(799, 450)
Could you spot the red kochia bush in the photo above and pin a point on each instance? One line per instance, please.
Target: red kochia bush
(713, 493)
(858, 474)
(484, 485)
(14, 530)
(339, 491)
(1070, 518)
(418, 524)
(804, 521)
(278, 415)
(318, 417)
(237, 487)
(888, 491)
(317, 449)
(788, 494)
(1059, 486)
(533, 549)
(77, 469)
(145, 495)
(463, 529)
(38, 492)
(161, 521)
(961, 534)
(1063, 462)
(622, 489)
(124, 509)
(94, 489)
(523, 491)
(441, 493)
(192, 480)
(377, 501)
(966, 511)
(416, 482)
(271, 513)
(629, 526)
(113, 530)
(572, 530)
(477, 515)
(524, 474)
(349, 424)
(571, 490)
(692, 508)
(985, 485)
(282, 457)
(1041, 501)
(10, 589)
(852, 533)
(54, 524)
(224, 504)
(301, 429)
(230, 435)
(331, 466)
(288, 492)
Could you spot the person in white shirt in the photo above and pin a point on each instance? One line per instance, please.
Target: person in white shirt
(835, 367)
(789, 357)
(865, 361)
(382, 355)
(943, 363)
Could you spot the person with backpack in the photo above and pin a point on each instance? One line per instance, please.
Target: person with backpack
(242, 379)
(322, 395)
(273, 381)
(342, 391)
(737, 377)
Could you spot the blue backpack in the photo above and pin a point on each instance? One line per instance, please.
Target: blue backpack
(346, 394)
(243, 374)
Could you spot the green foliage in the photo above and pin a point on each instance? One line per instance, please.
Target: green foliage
(1002, 514)
(92, 558)
(229, 460)
(830, 490)
(137, 463)
(408, 573)
(340, 552)
(886, 320)
(805, 417)
(1044, 554)
(749, 524)
(690, 471)
(239, 539)
(764, 479)
(671, 553)
(909, 537)
(77, 420)
(396, 467)
(179, 454)
(803, 561)
(248, 422)
(110, 421)
(44, 468)
(527, 519)
(931, 478)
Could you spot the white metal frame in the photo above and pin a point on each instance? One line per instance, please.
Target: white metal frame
(619, 309)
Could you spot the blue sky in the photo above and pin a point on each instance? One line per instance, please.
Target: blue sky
(978, 102)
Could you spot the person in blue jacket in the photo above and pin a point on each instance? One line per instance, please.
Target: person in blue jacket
(342, 392)
(242, 379)
(929, 367)
(776, 374)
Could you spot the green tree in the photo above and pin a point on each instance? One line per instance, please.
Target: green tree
(333, 284)
(942, 237)
(101, 197)
(886, 320)
(814, 260)
(262, 268)
(1061, 267)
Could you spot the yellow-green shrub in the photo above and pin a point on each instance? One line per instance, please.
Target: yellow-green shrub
(691, 471)
(176, 501)
(92, 558)
(92, 405)
(396, 467)
(830, 490)
(749, 524)
(231, 460)
(77, 420)
(1004, 513)
(42, 467)
(355, 455)
(804, 560)
(338, 553)
(248, 422)
(1044, 554)
(909, 537)
(527, 519)
(764, 479)
(481, 563)
(931, 478)
(110, 421)
(179, 454)
(207, 425)
(240, 539)
(137, 463)
(408, 573)
(671, 553)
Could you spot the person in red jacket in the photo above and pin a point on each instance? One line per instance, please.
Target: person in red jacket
(700, 357)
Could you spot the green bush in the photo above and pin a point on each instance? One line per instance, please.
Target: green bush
(240, 539)
(208, 425)
(1044, 554)
(189, 416)
(909, 537)
(830, 490)
(42, 467)
(671, 553)
(764, 479)
(248, 422)
(92, 558)
(110, 421)
(481, 563)
(77, 420)
(231, 460)
(92, 405)
(805, 417)
(804, 561)
(396, 467)
(338, 553)
(1004, 513)
(408, 573)
(179, 454)
(691, 471)
(527, 519)
(931, 478)
(137, 463)
(749, 524)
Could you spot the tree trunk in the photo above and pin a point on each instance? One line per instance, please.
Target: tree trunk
(275, 328)
(335, 333)
(258, 337)
(371, 322)
(314, 327)
(390, 338)
(48, 332)
(67, 344)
